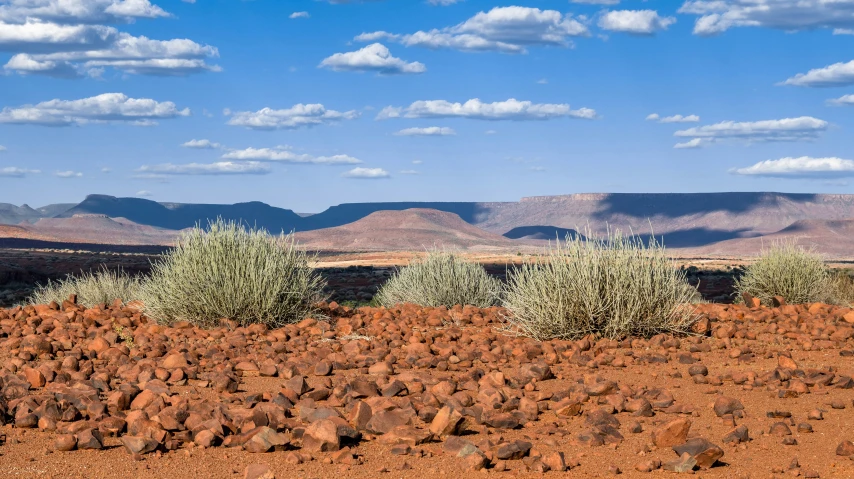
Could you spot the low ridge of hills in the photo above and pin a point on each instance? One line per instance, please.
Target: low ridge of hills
(415, 228)
(684, 220)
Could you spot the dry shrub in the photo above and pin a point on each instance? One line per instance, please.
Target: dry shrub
(788, 270)
(104, 286)
(440, 279)
(231, 272)
(614, 287)
(841, 288)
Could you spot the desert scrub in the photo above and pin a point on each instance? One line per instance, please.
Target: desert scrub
(841, 288)
(613, 287)
(230, 272)
(788, 270)
(440, 279)
(91, 288)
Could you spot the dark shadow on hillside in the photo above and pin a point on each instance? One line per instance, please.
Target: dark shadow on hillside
(20, 243)
(672, 205)
(178, 216)
(549, 233)
(696, 237)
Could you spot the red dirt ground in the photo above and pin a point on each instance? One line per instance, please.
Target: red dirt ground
(205, 398)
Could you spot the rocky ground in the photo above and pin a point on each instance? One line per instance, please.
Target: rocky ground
(423, 392)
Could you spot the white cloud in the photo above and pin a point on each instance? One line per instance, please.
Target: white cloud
(366, 173)
(504, 29)
(695, 143)
(490, 132)
(68, 174)
(107, 107)
(61, 38)
(673, 118)
(443, 3)
(637, 22)
(297, 116)
(79, 11)
(596, 2)
(106, 169)
(427, 131)
(201, 144)
(417, 162)
(299, 15)
(542, 81)
(217, 168)
(285, 156)
(511, 109)
(802, 167)
(786, 129)
(2, 148)
(838, 74)
(843, 31)
(717, 16)
(144, 193)
(375, 57)
(15, 172)
(843, 100)
(410, 172)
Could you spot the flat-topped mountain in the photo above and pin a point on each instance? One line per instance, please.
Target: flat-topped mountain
(416, 228)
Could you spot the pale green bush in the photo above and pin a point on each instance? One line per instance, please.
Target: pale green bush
(104, 286)
(231, 272)
(440, 279)
(614, 287)
(788, 270)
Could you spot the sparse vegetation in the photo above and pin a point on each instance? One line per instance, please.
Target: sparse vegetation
(440, 279)
(125, 335)
(229, 271)
(615, 287)
(91, 288)
(788, 270)
(841, 288)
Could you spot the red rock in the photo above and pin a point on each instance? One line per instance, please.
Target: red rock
(139, 444)
(703, 451)
(555, 461)
(258, 471)
(845, 448)
(446, 423)
(65, 442)
(90, 439)
(672, 433)
(727, 405)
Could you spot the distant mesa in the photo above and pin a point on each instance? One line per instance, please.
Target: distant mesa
(410, 229)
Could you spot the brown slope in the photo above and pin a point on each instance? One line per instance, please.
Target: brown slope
(405, 230)
(101, 229)
(23, 232)
(834, 238)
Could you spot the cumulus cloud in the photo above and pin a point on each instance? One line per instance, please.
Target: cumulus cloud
(284, 155)
(717, 16)
(596, 2)
(63, 38)
(838, 74)
(673, 118)
(695, 143)
(79, 11)
(511, 109)
(217, 168)
(376, 58)
(637, 22)
(68, 174)
(786, 129)
(15, 172)
(107, 107)
(201, 144)
(366, 173)
(443, 3)
(802, 167)
(299, 15)
(843, 31)
(843, 100)
(297, 116)
(503, 29)
(427, 131)
(144, 193)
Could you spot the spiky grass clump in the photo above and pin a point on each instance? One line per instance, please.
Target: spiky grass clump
(788, 270)
(231, 272)
(91, 288)
(440, 279)
(841, 288)
(614, 287)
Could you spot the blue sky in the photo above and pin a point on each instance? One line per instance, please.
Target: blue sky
(307, 104)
